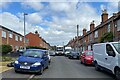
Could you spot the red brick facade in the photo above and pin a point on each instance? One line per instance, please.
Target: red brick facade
(36, 40)
(94, 35)
(12, 38)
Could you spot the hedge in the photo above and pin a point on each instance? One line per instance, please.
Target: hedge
(4, 49)
(34, 47)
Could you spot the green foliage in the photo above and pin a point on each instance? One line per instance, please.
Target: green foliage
(35, 47)
(107, 37)
(4, 49)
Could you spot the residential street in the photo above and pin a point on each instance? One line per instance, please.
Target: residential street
(62, 67)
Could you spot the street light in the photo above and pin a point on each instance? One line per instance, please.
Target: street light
(24, 32)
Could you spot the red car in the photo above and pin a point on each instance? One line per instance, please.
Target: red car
(87, 57)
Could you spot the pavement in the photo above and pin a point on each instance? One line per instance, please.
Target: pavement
(62, 67)
(3, 67)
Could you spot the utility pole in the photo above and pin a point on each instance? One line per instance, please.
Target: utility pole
(24, 32)
(77, 36)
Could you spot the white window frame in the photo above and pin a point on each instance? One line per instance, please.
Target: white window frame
(108, 27)
(91, 37)
(16, 37)
(96, 34)
(4, 34)
(21, 38)
(118, 25)
(10, 35)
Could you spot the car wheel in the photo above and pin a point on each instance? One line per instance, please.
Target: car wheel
(16, 71)
(117, 74)
(81, 62)
(41, 71)
(85, 62)
(97, 68)
(47, 67)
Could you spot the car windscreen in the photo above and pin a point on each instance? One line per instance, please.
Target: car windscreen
(33, 53)
(67, 50)
(117, 47)
(89, 53)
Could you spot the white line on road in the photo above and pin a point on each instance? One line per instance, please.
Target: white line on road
(31, 77)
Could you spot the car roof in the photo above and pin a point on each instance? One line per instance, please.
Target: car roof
(36, 49)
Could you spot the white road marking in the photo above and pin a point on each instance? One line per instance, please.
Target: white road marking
(31, 77)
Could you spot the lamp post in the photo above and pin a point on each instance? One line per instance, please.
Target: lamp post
(24, 32)
(77, 36)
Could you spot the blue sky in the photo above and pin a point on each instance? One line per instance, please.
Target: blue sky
(55, 21)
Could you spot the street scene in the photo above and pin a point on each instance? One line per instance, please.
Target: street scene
(60, 40)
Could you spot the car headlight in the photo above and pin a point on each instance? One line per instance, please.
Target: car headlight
(37, 64)
(16, 62)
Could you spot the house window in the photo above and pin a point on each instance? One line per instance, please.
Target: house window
(20, 38)
(118, 25)
(90, 37)
(16, 37)
(108, 28)
(4, 34)
(10, 35)
(96, 34)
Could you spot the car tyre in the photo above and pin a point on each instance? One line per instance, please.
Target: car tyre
(41, 71)
(85, 62)
(81, 62)
(97, 68)
(16, 71)
(117, 74)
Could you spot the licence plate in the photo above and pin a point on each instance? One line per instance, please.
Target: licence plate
(74, 56)
(25, 67)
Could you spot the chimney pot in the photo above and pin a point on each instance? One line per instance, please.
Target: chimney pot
(104, 15)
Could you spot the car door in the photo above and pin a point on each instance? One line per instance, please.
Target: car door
(46, 59)
(109, 58)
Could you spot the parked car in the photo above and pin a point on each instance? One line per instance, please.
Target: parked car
(47, 53)
(32, 60)
(107, 57)
(87, 57)
(51, 53)
(73, 55)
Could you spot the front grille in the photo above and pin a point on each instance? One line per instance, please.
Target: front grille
(26, 63)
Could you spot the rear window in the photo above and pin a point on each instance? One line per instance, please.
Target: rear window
(89, 53)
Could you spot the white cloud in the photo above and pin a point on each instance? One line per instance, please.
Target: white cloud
(34, 18)
(62, 28)
(34, 5)
(4, 5)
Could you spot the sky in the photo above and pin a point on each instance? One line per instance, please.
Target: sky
(55, 21)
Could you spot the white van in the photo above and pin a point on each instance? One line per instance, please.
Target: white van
(107, 57)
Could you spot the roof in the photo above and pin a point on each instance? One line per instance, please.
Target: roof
(11, 30)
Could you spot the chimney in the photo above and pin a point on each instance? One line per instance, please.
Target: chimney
(84, 32)
(104, 15)
(92, 26)
(36, 33)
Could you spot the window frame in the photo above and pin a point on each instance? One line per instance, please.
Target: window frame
(4, 34)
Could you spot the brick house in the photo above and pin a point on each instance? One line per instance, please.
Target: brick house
(11, 37)
(35, 40)
(93, 36)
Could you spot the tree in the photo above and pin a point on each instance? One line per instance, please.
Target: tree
(107, 37)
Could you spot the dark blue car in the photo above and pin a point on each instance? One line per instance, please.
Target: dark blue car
(32, 60)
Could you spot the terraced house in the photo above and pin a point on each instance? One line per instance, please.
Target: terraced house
(16, 40)
(95, 35)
